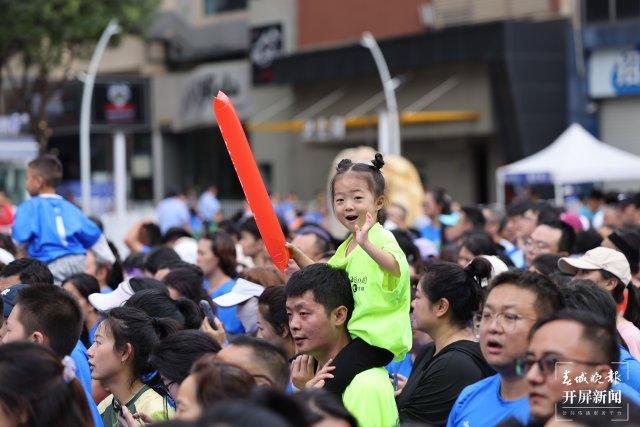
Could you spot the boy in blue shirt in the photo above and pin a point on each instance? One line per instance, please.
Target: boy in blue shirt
(53, 230)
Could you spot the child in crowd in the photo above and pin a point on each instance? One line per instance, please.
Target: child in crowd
(378, 271)
(53, 230)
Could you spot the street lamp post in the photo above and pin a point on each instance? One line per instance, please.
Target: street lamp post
(389, 143)
(85, 114)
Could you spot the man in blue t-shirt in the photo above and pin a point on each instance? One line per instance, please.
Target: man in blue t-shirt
(572, 354)
(53, 230)
(49, 315)
(514, 302)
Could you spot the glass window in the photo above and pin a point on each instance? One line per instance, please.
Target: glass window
(216, 6)
(596, 10)
(627, 9)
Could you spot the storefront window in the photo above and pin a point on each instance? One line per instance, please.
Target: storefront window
(627, 9)
(216, 6)
(611, 10)
(596, 10)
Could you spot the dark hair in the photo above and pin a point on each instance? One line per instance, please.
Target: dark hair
(474, 215)
(372, 174)
(548, 297)
(175, 354)
(518, 208)
(632, 310)
(32, 385)
(460, 286)
(546, 264)
(324, 240)
(224, 249)
(187, 281)
(442, 199)
(595, 329)
(249, 225)
(116, 273)
(241, 414)
(30, 271)
(268, 355)
(174, 233)
(596, 194)
(84, 283)
(49, 168)
(586, 295)
(283, 404)
(135, 260)
(320, 404)
(158, 303)
(405, 241)
(265, 276)
(586, 240)
(229, 227)
(54, 312)
(545, 212)
(272, 307)
(478, 242)
(330, 286)
(567, 236)
(6, 243)
(129, 325)
(217, 381)
(627, 241)
(159, 258)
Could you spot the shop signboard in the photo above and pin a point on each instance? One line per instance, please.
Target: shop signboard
(614, 72)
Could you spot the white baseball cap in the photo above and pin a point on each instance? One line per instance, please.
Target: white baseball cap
(599, 259)
(124, 291)
(242, 291)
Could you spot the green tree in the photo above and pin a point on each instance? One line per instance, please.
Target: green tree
(41, 39)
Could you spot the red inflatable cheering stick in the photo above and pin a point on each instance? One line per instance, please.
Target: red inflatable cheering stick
(250, 179)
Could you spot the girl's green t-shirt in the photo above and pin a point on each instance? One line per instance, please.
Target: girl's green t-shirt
(382, 301)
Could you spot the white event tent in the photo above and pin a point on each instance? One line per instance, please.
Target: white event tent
(574, 157)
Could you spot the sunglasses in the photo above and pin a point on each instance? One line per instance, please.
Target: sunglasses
(547, 365)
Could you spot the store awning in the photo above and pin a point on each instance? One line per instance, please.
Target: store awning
(356, 106)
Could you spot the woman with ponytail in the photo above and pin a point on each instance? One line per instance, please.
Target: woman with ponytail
(119, 359)
(38, 390)
(158, 303)
(446, 299)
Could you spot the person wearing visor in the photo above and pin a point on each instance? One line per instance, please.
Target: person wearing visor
(244, 295)
(125, 290)
(609, 269)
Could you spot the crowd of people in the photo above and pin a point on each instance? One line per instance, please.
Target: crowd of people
(470, 316)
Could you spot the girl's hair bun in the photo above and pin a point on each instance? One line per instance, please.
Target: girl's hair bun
(344, 165)
(378, 162)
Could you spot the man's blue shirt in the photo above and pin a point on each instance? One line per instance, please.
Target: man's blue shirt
(480, 404)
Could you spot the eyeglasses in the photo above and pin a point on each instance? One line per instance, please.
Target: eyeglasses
(537, 244)
(507, 321)
(546, 364)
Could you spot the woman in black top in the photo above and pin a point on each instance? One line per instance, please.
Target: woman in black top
(446, 299)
